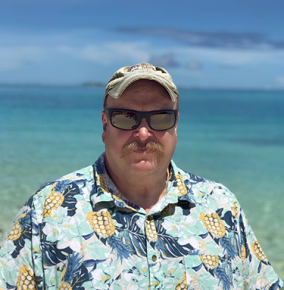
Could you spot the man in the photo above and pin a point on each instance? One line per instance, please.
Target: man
(134, 220)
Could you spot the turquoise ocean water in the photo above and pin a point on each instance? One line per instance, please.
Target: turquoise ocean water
(233, 137)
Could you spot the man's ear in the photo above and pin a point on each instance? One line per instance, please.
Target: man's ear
(105, 124)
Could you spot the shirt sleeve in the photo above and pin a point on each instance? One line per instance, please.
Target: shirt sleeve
(257, 271)
(20, 255)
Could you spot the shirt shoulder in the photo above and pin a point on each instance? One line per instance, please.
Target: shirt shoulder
(203, 190)
(32, 240)
(64, 192)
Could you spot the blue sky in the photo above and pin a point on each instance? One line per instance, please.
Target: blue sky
(205, 44)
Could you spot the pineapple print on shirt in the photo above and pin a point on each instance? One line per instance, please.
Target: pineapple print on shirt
(61, 194)
(53, 201)
(180, 185)
(16, 230)
(214, 224)
(151, 229)
(102, 223)
(210, 261)
(26, 279)
(258, 252)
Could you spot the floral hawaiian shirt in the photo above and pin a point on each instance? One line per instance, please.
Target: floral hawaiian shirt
(78, 232)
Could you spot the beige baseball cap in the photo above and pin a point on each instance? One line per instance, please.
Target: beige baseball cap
(129, 74)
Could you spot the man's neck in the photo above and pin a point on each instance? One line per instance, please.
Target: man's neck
(142, 190)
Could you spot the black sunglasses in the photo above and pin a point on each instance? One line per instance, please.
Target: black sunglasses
(160, 120)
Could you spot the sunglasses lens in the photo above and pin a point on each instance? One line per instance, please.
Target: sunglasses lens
(130, 120)
(124, 120)
(162, 121)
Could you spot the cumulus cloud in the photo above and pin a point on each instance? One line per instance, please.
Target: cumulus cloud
(32, 48)
(220, 39)
(56, 54)
(165, 60)
(108, 52)
(56, 46)
(228, 57)
(16, 56)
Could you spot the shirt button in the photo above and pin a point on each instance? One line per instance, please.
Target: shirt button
(154, 258)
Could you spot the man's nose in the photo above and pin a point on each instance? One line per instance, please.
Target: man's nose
(143, 132)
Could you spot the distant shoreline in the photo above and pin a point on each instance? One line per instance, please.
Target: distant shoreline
(86, 84)
(100, 84)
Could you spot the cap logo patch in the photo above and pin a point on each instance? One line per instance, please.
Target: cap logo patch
(141, 66)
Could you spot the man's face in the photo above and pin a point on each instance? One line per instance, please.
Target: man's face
(142, 95)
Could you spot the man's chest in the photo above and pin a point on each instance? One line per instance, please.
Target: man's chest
(113, 249)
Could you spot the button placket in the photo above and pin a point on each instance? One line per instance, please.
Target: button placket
(152, 254)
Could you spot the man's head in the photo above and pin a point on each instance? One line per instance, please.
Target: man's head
(140, 119)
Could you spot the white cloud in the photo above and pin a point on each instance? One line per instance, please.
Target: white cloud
(211, 40)
(16, 56)
(94, 45)
(108, 52)
(229, 57)
(57, 53)
(24, 48)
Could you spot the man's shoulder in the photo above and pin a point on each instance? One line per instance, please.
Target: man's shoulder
(58, 200)
(78, 182)
(209, 196)
(193, 179)
(201, 188)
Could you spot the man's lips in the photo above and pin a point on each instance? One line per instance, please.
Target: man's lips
(143, 150)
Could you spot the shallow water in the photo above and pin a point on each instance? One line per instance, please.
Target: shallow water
(235, 138)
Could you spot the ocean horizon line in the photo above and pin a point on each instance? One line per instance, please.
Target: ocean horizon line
(180, 87)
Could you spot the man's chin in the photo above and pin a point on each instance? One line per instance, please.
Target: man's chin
(143, 164)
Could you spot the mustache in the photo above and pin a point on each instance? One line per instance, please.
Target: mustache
(150, 147)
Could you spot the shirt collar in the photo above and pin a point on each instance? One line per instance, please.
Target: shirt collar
(105, 190)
